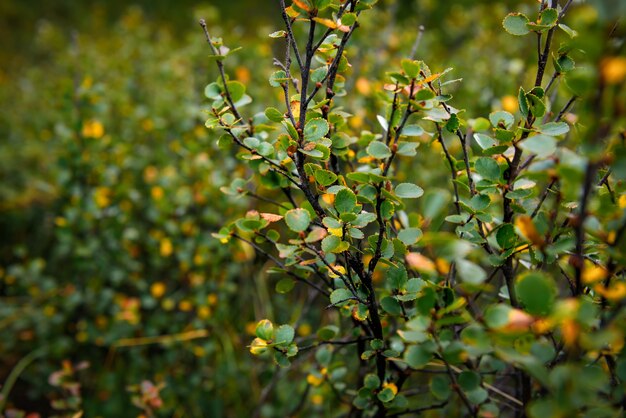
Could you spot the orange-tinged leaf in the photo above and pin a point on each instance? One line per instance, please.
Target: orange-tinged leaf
(291, 12)
(615, 293)
(430, 78)
(271, 217)
(331, 24)
(518, 321)
(420, 263)
(570, 331)
(295, 108)
(303, 5)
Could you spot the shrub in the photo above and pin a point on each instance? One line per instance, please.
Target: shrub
(502, 295)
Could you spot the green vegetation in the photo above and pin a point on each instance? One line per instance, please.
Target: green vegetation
(382, 219)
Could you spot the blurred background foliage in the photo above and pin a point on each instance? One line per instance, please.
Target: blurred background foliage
(109, 190)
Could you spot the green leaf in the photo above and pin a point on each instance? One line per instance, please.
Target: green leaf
(515, 24)
(411, 68)
(274, 114)
(480, 124)
(410, 236)
(440, 387)
(453, 123)
(417, 356)
(236, 90)
(484, 141)
(315, 129)
(213, 91)
(487, 168)
(318, 74)
(327, 333)
(348, 19)
(503, 117)
(298, 220)
(469, 380)
(408, 191)
(285, 285)
(536, 292)
(506, 236)
(386, 395)
(284, 334)
(391, 305)
(371, 381)
(341, 297)
(397, 277)
(334, 244)
(264, 329)
(554, 128)
(523, 102)
(537, 106)
(570, 32)
(471, 273)
(325, 177)
(412, 130)
(477, 396)
(378, 150)
(345, 201)
(548, 17)
(497, 316)
(542, 145)
(277, 78)
(278, 34)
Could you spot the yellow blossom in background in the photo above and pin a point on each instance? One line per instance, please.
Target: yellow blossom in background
(166, 247)
(363, 86)
(102, 196)
(157, 290)
(147, 125)
(509, 103)
(622, 201)
(92, 129)
(613, 69)
(185, 306)
(317, 399)
(150, 173)
(314, 380)
(157, 192)
(242, 74)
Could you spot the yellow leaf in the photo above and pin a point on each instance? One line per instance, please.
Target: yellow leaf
(295, 108)
(593, 273)
(526, 226)
(258, 346)
(338, 232)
